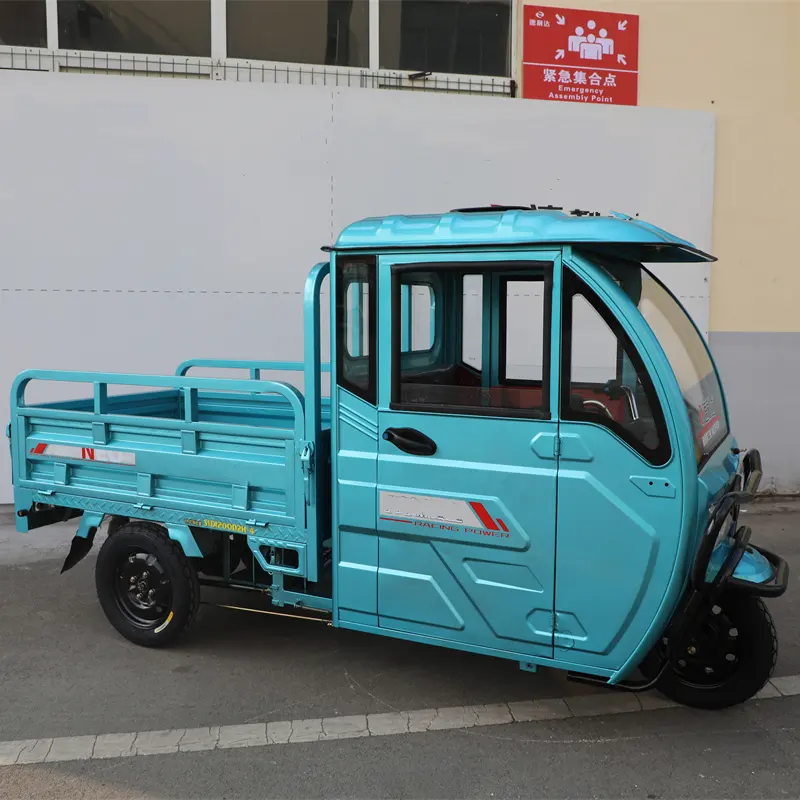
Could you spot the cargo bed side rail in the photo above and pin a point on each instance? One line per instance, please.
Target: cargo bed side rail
(254, 367)
(189, 386)
(102, 420)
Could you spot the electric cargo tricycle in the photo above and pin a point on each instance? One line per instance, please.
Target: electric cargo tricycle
(524, 452)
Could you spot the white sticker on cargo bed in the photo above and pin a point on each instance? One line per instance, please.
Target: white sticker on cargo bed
(84, 453)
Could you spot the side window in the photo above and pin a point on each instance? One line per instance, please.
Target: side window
(523, 343)
(418, 312)
(472, 321)
(355, 326)
(604, 381)
(491, 355)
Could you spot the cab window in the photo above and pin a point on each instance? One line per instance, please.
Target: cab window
(417, 309)
(604, 380)
(486, 330)
(356, 326)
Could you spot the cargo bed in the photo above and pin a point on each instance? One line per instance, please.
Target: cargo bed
(207, 452)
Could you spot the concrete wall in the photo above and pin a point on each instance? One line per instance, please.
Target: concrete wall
(741, 61)
(762, 383)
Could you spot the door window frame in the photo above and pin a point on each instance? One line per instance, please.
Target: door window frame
(495, 274)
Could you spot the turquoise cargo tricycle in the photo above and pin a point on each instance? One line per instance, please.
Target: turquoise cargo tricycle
(525, 452)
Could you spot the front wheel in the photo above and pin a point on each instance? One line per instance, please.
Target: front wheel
(729, 658)
(147, 587)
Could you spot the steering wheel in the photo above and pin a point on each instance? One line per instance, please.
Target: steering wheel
(596, 404)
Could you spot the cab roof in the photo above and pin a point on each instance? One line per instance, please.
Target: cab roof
(496, 226)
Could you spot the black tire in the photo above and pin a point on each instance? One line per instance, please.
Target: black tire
(115, 523)
(147, 587)
(754, 648)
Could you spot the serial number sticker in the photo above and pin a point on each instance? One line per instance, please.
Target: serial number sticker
(219, 525)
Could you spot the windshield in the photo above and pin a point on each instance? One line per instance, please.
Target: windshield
(688, 356)
(685, 349)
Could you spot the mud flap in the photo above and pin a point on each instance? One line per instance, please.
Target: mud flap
(82, 541)
(81, 545)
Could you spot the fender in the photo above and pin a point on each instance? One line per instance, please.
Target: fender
(90, 521)
(185, 538)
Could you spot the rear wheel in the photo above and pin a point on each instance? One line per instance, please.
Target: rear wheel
(115, 523)
(728, 660)
(147, 587)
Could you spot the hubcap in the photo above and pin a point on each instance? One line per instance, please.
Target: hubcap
(712, 654)
(142, 589)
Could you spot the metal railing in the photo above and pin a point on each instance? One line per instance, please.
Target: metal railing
(142, 65)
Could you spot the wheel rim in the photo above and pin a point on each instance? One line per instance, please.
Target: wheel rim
(142, 589)
(712, 655)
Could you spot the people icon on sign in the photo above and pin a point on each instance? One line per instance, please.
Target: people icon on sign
(576, 40)
(591, 50)
(591, 47)
(606, 43)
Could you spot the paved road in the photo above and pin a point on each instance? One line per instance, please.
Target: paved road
(752, 752)
(64, 672)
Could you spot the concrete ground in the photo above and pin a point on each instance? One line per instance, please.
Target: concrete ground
(64, 672)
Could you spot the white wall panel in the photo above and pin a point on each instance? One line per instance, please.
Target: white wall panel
(146, 221)
(431, 152)
(111, 182)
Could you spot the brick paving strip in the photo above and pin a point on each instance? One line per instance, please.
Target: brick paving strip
(393, 723)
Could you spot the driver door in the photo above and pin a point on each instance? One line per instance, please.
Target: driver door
(466, 469)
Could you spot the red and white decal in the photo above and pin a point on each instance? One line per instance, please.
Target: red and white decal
(709, 430)
(84, 453)
(397, 507)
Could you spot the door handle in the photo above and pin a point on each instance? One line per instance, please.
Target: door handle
(410, 441)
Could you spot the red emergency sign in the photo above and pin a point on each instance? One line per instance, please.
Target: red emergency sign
(580, 56)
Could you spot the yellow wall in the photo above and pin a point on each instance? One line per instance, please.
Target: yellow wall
(740, 60)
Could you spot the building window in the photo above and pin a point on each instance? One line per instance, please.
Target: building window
(23, 23)
(330, 32)
(157, 27)
(467, 37)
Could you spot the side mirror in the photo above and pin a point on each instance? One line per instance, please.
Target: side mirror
(750, 475)
(752, 472)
